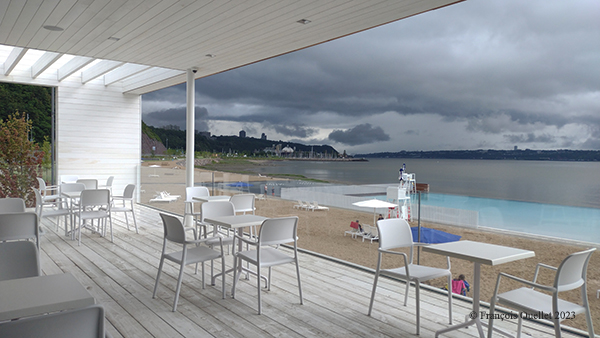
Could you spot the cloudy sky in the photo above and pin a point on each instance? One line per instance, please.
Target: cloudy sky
(482, 74)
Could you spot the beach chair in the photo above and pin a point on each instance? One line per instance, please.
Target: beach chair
(305, 205)
(300, 205)
(164, 196)
(316, 206)
(371, 233)
(355, 230)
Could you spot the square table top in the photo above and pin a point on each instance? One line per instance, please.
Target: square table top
(478, 252)
(211, 198)
(32, 296)
(237, 221)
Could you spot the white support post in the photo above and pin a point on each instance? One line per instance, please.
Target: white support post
(189, 132)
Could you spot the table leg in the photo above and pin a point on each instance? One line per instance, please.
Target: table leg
(474, 315)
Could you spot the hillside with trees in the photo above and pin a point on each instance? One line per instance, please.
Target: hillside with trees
(173, 138)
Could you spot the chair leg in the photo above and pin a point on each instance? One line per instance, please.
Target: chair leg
(111, 229)
(126, 220)
(374, 289)
(258, 288)
(236, 275)
(179, 279)
(134, 221)
(450, 300)
(223, 274)
(406, 292)
(418, 300)
(299, 283)
(162, 260)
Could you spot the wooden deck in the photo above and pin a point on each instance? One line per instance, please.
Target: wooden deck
(121, 276)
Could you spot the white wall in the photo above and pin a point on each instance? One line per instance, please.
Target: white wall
(98, 128)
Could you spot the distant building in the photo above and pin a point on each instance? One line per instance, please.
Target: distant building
(263, 136)
(205, 134)
(242, 134)
(516, 148)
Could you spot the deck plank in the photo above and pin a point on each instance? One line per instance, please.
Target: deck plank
(121, 277)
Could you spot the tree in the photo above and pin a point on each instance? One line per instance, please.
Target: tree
(20, 159)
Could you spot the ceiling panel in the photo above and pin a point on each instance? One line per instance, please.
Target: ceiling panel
(177, 35)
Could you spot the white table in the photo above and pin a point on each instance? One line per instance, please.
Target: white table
(211, 198)
(237, 222)
(478, 253)
(32, 296)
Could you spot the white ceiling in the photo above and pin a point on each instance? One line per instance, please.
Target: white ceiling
(149, 44)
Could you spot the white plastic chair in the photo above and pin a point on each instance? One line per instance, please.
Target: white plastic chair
(125, 205)
(192, 253)
(393, 234)
(18, 259)
(68, 178)
(94, 204)
(88, 182)
(570, 275)
(56, 209)
(273, 232)
(87, 322)
(18, 226)
(49, 192)
(190, 193)
(10, 205)
(108, 185)
(243, 203)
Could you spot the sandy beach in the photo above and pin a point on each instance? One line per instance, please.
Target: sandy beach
(323, 232)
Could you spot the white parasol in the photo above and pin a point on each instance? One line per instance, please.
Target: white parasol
(154, 166)
(375, 204)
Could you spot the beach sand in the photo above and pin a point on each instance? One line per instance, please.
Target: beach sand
(323, 232)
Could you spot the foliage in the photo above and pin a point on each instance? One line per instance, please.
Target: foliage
(46, 148)
(33, 101)
(229, 144)
(20, 159)
(150, 132)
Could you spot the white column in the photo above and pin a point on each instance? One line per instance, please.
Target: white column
(189, 129)
(189, 133)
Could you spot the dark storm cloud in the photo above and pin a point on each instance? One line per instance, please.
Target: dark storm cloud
(508, 67)
(361, 134)
(177, 117)
(294, 130)
(530, 138)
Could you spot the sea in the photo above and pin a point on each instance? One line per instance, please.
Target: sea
(547, 198)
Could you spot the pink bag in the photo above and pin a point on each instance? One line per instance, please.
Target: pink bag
(457, 286)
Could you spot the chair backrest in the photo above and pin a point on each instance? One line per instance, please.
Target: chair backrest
(243, 202)
(72, 187)
(572, 272)
(394, 233)
(275, 231)
(128, 192)
(87, 322)
(41, 183)
(191, 192)
(216, 209)
(9, 205)
(94, 197)
(68, 178)
(109, 181)
(18, 225)
(89, 183)
(18, 259)
(173, 228)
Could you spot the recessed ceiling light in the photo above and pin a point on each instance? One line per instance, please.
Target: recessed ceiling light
(210, 55)
(53, 28)
(114, 38)
(303, 21)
